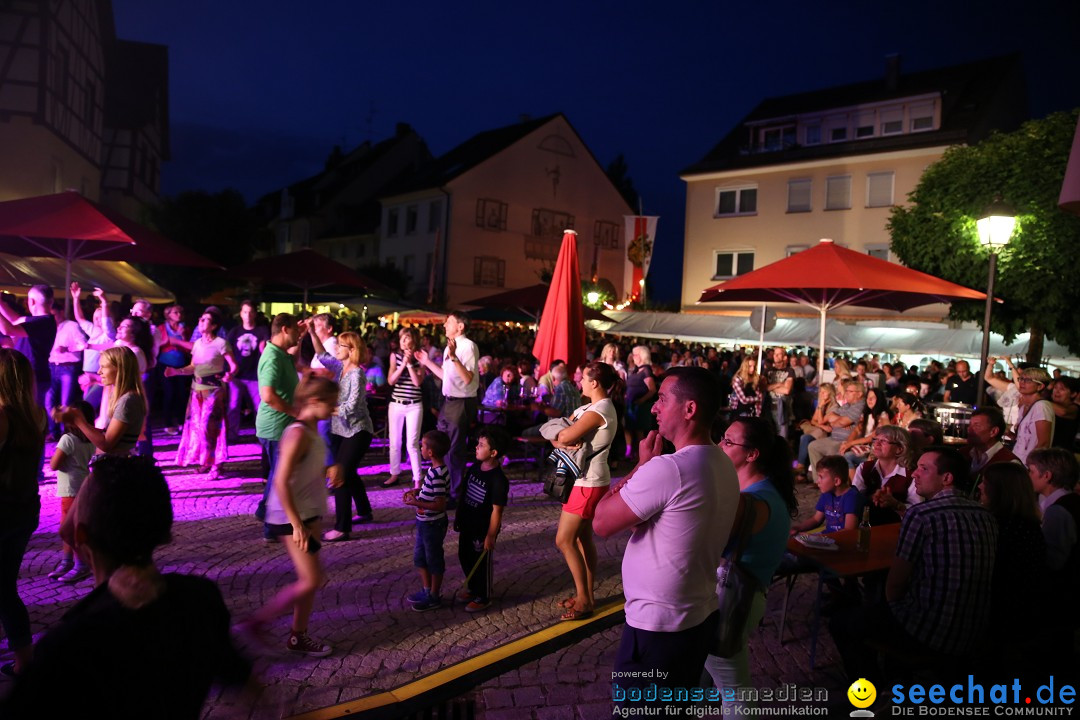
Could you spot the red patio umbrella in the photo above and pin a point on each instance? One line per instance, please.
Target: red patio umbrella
(562, 325)
(828, 276)
(70, 227)
(306, 270)
(67, 225)
(529, 300)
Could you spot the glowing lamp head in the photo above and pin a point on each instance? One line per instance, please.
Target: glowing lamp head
(593, 297)
(996, 225)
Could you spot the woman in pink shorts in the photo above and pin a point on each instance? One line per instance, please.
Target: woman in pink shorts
(594, 426)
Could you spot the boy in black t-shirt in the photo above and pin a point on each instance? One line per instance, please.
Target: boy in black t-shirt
(484, 495)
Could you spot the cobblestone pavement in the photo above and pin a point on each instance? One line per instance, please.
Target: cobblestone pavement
(379, 642)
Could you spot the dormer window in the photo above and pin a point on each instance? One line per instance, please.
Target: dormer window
(922, 117)
(777, 138)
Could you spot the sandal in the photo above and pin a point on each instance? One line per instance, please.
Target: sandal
(568, 603)
(391, 481)
(574, 614)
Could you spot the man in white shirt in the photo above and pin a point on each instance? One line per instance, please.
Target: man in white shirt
(680, 508)
(460, 381)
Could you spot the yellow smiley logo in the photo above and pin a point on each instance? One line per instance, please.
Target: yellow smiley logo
(862, 693)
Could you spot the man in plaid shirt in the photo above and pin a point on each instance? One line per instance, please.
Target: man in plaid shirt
(938, 589)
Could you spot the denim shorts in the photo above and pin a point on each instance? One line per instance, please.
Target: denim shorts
(428, 552)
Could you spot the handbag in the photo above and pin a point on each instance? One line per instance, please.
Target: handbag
(560, 484)
(735, 591)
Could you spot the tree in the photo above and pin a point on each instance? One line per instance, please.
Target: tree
(619, 174)
(1037, 270)
(218, 226)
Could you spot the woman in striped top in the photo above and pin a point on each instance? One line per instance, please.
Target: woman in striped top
(406, 405)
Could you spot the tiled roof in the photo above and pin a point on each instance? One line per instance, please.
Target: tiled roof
(466, 156)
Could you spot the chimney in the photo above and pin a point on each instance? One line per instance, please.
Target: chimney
(892, 71)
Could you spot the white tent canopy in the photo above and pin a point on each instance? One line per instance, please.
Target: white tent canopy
(888, 336)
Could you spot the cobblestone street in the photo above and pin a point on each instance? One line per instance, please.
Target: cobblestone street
(379, 642)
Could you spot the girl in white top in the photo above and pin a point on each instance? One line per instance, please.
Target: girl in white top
(594, 425)
(294, 508)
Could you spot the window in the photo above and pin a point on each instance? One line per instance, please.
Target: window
(434, 218)
(798, 195)
(732, 264)
(91, 103)
(410, 220)
(922, 117)
(606, 234)
(407, 266)
(864, 125)
(878, 250)
(551, 223)
(879, 189)
(794, 249)
(489, 272)
(491, 214)
(837, 134)
(391, 261)
(736, 201)
(812, 135)
(838, 192)
(892, 121)
(391, 222)
(777, 138)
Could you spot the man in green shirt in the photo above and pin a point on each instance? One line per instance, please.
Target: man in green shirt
(277, 383)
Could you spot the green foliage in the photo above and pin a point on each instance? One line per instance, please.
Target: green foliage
(603, 292)
(217, 225)
(1038, 270)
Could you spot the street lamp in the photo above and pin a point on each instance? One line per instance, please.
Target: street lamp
(995, 229)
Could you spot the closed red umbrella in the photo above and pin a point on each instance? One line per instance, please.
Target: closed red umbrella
(529, 300)
(828, 276)
(562, 325)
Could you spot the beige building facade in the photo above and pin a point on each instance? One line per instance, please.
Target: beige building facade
(832, 164)
(489, 215)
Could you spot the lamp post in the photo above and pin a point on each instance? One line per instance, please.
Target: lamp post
(995, 229)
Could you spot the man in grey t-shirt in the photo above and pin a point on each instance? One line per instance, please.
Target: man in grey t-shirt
(843, 421)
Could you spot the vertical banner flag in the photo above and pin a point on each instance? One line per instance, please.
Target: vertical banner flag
(640, 233)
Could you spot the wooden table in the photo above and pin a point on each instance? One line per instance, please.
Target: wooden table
(846, 562)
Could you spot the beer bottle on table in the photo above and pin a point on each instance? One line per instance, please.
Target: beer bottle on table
(862, 544)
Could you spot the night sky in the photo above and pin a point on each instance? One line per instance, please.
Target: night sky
(261, 91)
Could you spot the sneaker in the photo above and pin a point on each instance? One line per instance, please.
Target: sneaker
(419, 596)
(433, 602)
(171, 431)
(75, 574)
(466, 596)
(301, 643)
(335, 536)
(477, 605)
(61, 569)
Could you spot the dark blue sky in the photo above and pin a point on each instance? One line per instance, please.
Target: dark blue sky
(261, 91)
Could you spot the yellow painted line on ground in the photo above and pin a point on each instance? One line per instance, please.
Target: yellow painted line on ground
(456, 671)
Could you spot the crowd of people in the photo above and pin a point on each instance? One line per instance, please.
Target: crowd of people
(708, 440)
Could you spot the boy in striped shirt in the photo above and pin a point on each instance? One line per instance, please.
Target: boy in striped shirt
(430, 503)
